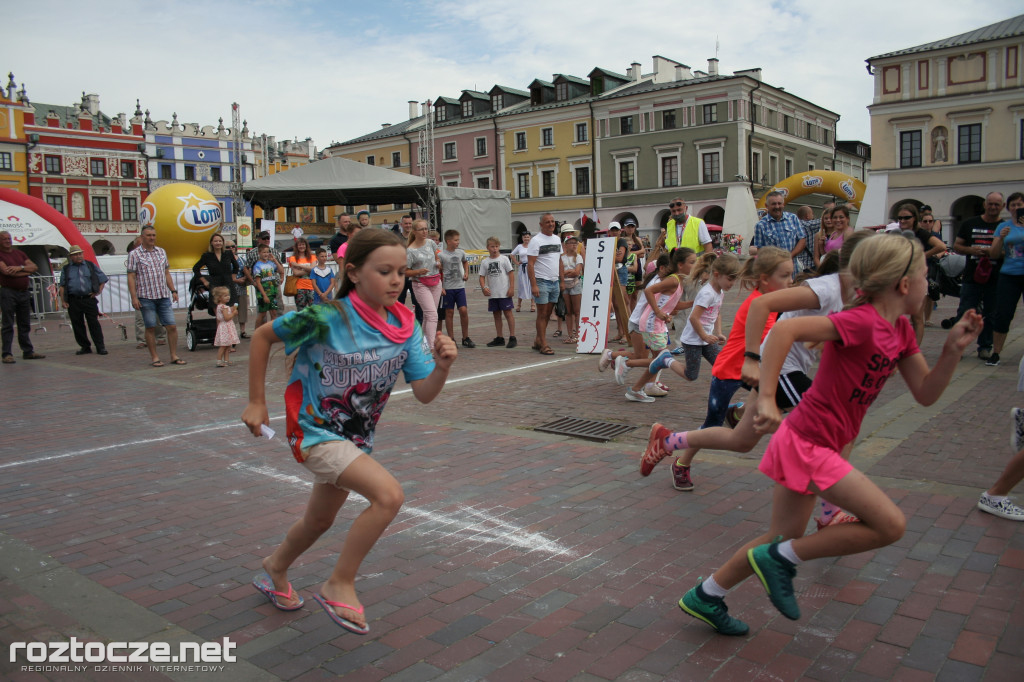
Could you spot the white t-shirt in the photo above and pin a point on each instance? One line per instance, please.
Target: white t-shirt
(520, 253)
(547, 249)
(711, 301)
(495, 272)
(830, 300)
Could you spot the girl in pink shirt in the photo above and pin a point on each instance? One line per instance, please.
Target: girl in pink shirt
(864, 345)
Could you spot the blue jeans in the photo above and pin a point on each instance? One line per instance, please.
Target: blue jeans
(719, 395)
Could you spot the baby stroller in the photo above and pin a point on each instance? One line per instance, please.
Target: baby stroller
(203, 329)
(944, 279)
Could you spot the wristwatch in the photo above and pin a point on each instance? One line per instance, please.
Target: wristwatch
(174, 291)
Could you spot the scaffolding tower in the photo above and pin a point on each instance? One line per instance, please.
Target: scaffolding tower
(426, 166)
(237, 202)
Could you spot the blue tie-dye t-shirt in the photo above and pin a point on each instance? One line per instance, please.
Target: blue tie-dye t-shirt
(343, 375)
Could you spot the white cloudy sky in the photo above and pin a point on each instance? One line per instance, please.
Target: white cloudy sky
(335, 70)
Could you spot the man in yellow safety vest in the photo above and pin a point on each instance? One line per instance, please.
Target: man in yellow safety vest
(684, 230)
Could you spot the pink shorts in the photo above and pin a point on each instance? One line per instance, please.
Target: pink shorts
(795, 462)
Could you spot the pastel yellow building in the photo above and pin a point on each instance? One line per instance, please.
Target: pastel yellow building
(13, 144)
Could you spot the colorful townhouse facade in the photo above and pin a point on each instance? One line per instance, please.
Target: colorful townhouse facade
(14, 105)
(947, 124)
(200, 155)
(90, 167)
(620, 145)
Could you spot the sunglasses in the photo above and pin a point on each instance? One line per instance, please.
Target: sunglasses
(676, 204)
(927, 220)
(905, 217)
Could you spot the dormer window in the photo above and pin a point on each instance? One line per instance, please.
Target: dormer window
(536, 96)
(596, 85)
(467, 108)
(561, 91)
(497, 103)
(441, 114)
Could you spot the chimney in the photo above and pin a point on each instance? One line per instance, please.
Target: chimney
(713, 66)
(635, 71)
(413, 108)
(683, 72)
(385, 125)
(93, 104)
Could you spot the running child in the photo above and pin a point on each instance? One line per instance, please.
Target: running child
(498, 282)
(770, 270)
(648, 325)
(332, 411)
(864, 345)
(455, 272)
(702, 337)
(227, 334)
(267, 275)
(323, 278)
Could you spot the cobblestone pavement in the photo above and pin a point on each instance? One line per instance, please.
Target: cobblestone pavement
(134, 506)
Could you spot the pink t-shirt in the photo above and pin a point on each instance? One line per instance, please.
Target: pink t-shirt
(852, 373)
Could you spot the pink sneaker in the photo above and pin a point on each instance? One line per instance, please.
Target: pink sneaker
(655, 451)
(837, 518)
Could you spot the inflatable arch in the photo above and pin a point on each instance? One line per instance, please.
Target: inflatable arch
(33, 222)
(819, 182)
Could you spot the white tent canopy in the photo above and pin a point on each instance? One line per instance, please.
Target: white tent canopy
(477, 214)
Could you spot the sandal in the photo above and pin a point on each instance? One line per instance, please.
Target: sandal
(546, 350)
(265, 585)
(557, 333)
(330, 606)
(571, 339)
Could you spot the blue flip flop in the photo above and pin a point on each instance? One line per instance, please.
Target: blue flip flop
(265, 584)
(343, 622)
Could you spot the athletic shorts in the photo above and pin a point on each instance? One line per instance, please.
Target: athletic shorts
(656, 341)
(795, 462)
(495, 305)
(328, 460)
(791, 389)
(454, 298)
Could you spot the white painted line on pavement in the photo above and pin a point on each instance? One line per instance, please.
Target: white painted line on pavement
(494, 374)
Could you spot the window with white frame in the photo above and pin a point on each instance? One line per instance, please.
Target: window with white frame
(441, 113)
(710, 113)
(97, 167)
(789, 167)
(520, 141)
(561, 91)
(6, 161)
(100, 209)
(53, 164)
(127, 169)
(626, 125)
(497, 102)
(669, 171)
(481, 146)
(910, 149)
(467, 108)
(582, 180)
(523, 185)
(396, 159)
(483, 182)
(755, 166)
(668, 119)
(547, 137)
(449, 151)
(581, 132)
(773, 168)
(130, 208)
(968, 138)
(547, 183)
(711, 166)
(627, 176)
(56, 202)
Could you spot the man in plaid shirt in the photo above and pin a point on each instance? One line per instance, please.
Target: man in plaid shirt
(149, 282)
(780, 229)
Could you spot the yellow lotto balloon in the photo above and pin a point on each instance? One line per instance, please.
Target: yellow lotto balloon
(185, 217)
(819, 182)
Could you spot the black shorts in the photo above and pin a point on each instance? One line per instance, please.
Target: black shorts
(791, 389)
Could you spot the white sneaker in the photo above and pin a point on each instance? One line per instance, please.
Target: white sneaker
(655, 390)
(1003, 508)
(605, 361)
(1017, 429)
(638, 396)
(620, 370)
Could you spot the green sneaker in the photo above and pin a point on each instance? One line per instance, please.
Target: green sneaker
(776, 574)
(712, 611)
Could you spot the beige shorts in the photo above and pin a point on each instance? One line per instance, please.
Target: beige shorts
(327, 461)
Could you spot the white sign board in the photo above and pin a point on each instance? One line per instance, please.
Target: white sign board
(271, 227)
(597, 294)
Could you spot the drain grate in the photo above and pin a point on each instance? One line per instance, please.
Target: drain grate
(588, 429)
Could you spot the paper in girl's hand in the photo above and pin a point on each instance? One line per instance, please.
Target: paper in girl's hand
(266, 431)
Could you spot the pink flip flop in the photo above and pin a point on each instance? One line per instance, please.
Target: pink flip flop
(265, 584)
(343, 622)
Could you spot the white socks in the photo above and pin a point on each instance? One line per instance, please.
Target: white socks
(786, 551)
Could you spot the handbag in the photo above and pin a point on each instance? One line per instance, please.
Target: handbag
(983, 270)
(291, 283)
